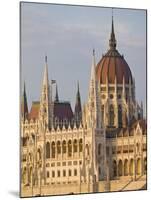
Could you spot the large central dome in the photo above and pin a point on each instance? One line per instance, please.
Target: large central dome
(112, 65)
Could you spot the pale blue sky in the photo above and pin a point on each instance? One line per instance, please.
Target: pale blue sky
(67, 34)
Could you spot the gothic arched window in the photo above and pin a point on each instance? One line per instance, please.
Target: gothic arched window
(120, 167)
(69, 148)
(47, 150)
(58, 147)
(64, 147)
(120, 116)
(75, 149)
(80, 145)
(102, 112)
(126, 167)
(111, 116)
(53, 149)
(114, 168)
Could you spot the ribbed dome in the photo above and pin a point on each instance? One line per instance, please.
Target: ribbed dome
(113, 65)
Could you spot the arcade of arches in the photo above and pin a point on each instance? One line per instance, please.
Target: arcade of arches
(70, 147)
(129, 167)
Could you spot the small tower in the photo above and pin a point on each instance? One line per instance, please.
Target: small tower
(78, 110)
(56, 96)
(45, 98)
(24, 105)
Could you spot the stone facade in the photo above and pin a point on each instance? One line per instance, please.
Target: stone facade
(100, 147)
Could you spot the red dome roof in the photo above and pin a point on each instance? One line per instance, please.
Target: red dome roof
(113, 65)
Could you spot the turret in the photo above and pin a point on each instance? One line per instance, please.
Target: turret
(78, 110)
(24, 105)
(56, 96)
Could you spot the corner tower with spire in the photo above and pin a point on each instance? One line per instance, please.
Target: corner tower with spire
(45, 113)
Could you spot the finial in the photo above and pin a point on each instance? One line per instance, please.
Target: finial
(78, 86)
(56, 97)
(112, 41)
(45, 58)
(24, 91)
(93, 52)
(24, 85)
(112, 14)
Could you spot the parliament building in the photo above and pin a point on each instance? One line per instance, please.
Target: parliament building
(100, 146)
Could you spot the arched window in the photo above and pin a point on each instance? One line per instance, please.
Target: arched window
(120, 116)
(64, 173)
(80, 145)
(114, 168)
(131, 167)
(47, 174)
(58, 173)
(126, 167)
(111, 115)
(138, 166)
(53, 174)
(75, 172)
(99, 171)
(64, 146)
(24, 175)
(69, 172)
(120, 166)
(69, 148)
(58, 147)
(53, 149)
(75, 146)
(99, 149)
(47, 150)
(102, 113)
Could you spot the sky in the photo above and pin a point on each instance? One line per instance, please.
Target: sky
(67, 35)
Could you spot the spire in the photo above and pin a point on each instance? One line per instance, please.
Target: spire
(94, 97)
(93, 67)
(112, 41)
(24, 105)
(45, 97)
(57, 96)
(45, 79)
(92, 77)
(78, 110)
